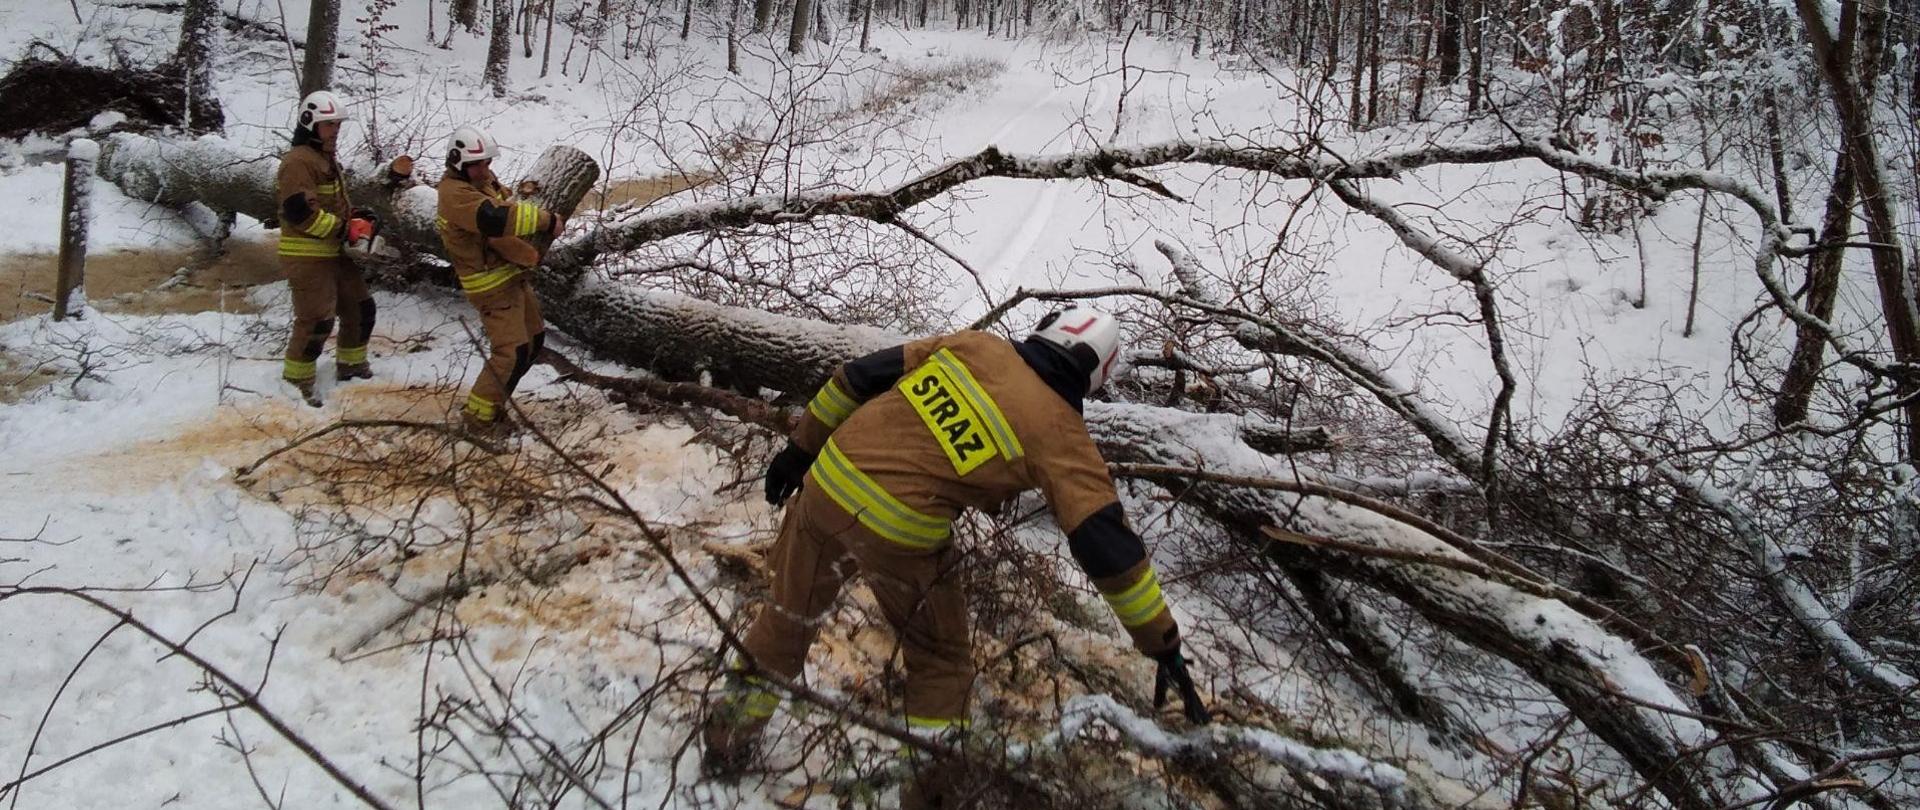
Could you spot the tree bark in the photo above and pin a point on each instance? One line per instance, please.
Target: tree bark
(465, 13)
(323, 36)
(1424, 60)
(200, 36)
(1450, 24)
(1823, 288)
(733, 37)
(797, 33)
(76, 213)
(500, 47)
(228, 179)
(762, 15)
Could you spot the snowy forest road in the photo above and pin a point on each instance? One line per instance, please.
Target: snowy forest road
(1006, 229)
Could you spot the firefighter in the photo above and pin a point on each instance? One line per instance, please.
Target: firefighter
(886, 456)
(315, 219)
(485, 232)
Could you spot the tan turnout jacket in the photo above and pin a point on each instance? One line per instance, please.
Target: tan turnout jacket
(485, 232)
(314, 175)
(968, 424)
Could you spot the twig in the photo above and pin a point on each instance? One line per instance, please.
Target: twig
(348, 424)
(978, 282)
(248, 699)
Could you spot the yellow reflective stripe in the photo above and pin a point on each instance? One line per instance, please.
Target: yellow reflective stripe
(1138, 605)
(297, 370)
(918, 723)
(982, 403)
(871, 504)
(488, 279)
(526, 219)
(756, 700)
(759, 705)
(324, 225)
(327, 188)
(481, 407)
(831, 406)
(291, 245)
(350, 354)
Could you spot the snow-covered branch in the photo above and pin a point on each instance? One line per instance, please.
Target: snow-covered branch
(1806, 607)
(1336, 766)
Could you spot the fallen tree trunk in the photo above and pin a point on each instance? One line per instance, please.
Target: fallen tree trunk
(228, 179)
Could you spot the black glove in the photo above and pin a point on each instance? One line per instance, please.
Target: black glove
(1173, 672)
(784, 473)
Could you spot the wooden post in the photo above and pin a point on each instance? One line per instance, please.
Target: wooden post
(74, 216)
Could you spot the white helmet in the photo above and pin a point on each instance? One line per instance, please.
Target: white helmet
(1088, 335)
(320, 106)
(470, 144)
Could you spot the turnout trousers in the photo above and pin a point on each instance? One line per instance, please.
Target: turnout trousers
(510, 315)
(919, 591)
(325, 289)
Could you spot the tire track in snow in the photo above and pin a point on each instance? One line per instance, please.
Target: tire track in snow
(1039, 215)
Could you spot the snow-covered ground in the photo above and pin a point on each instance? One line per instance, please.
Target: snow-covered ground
(130, 474)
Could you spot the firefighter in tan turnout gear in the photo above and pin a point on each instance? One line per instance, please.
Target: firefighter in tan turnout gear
(485, 232)
(891, 450)
(315, 220)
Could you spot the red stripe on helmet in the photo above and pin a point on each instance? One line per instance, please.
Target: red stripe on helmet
(1075, 330)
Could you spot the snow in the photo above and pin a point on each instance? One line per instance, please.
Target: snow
(133, 461)
(85, 149)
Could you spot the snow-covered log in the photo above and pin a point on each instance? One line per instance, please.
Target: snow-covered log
(227, 178)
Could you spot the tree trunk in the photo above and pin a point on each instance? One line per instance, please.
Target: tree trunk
(1426, 57)
(1373, 62)
(733, 37)
(1823, 288)
(1476, 42)
(465, 13)
(1333, 39)
(323, 35)
(76, 213)
(1359, 64)
(1450, 14)
(686, 21)
(866, 26)
(500, 47)
(797, 34)
(225, 178)
(546, 48)
(200, 35)
(762, 15)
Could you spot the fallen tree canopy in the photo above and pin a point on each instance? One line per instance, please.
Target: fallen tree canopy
(56, 95)
(1695, 755)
